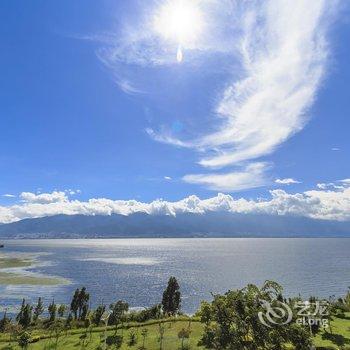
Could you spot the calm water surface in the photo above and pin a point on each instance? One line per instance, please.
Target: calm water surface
(137, 270)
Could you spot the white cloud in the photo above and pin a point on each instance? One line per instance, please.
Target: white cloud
(320, 204)
(250, 177)
(323, 186)
(7, 195)
(168, 178)
(282, 49)
(128, 87)
(283, 53)
(44, 198)
(287, 181)
(335, 149)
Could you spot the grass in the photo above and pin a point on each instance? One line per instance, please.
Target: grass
(339, 338)
(72, 341)
(340, 335)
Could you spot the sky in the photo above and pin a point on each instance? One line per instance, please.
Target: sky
(116, 106)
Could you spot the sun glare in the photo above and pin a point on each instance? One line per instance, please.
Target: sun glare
(179, 21)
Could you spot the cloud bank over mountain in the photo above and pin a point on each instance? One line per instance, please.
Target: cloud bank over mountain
(332, 203)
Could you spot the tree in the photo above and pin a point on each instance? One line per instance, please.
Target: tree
(4, 322)
(24, 340)
(80, 303)
(161, 330)
(144, 334)
(74, 305)
(205, 313)
(118, 311)
(61, 310)
(83, 303)
(171, 297)
(152, 313)
(233, 321)
(132, 338)
(97, 316)
(24, 317)
(38, 310)
(347, 300)
(52, 309)
(183, 334)
(115, 340)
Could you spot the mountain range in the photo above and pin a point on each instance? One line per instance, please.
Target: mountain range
(210, 224)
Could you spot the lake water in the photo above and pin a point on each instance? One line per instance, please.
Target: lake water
(136, 270)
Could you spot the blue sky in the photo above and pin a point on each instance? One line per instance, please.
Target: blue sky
(83, 107)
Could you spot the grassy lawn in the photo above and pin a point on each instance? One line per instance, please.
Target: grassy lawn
(339, 338)
(170, 342)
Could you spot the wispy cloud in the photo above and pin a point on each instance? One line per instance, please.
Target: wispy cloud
(287, 181)
(327, 204)
(250, 176)
(128, 87)
(283, 51)
(7, 195)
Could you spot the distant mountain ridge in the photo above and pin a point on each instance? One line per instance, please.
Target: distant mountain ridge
(210, 224)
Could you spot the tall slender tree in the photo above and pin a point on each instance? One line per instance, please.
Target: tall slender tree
(38, 309)
(24, 317)
(52, 309)
(74, 305)
(171, 301)
(83, 303)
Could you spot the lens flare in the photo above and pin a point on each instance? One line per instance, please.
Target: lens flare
(179, 55)
(179, 21)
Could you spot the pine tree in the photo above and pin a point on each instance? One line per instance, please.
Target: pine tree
(24, 317)
(38, 310)
(61, 310)
(74, 305)
(83, 303)
(171, 297)
(52, 309)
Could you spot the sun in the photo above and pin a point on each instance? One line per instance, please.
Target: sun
(179, 21)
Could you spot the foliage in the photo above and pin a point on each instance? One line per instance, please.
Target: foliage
(233, 322)
(114, 340)
(80, 303)
(97, 315)
(24, 317)
(171, 297)
(144, 334)
(61, 310)
(38, 310)
(161, 331)
(4, 322)
(24, 340)
(118, 309)
(152, 313)
(184, 334)
(52, 309)
(132, 338)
